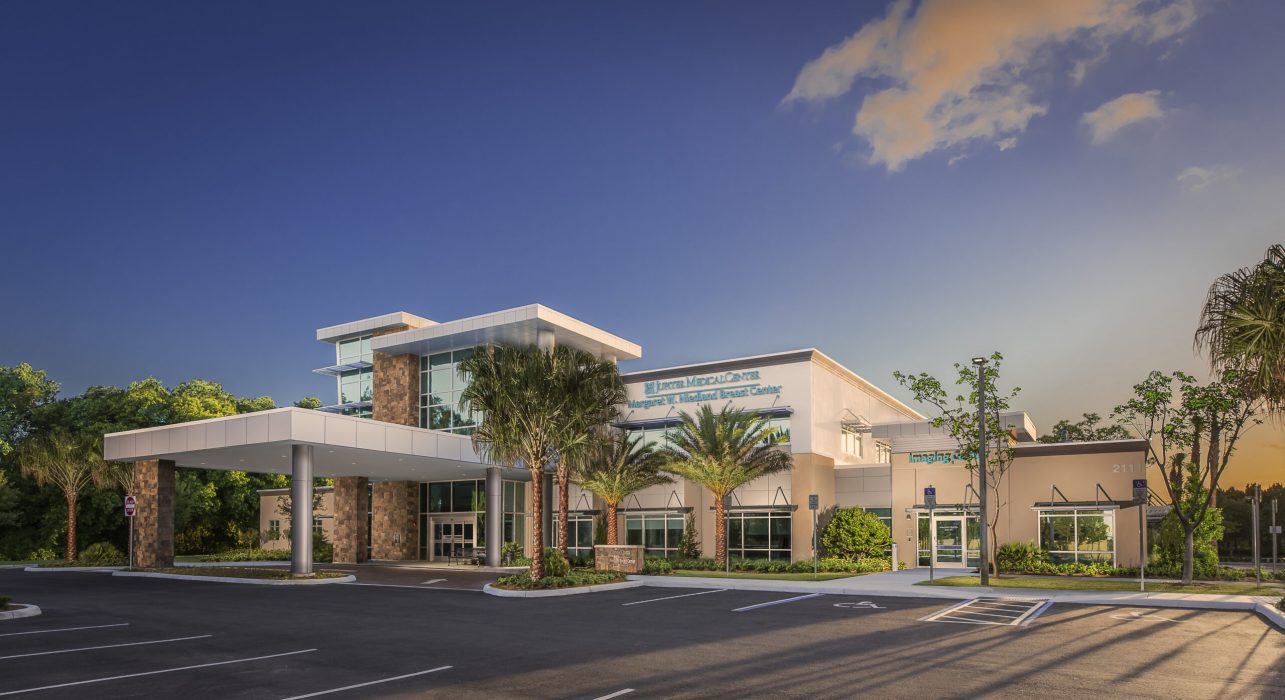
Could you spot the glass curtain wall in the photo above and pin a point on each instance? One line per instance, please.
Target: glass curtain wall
(440, 384)
(355, 384)
(468, 497)
(579, 534)
(974, 536)
(658, 533)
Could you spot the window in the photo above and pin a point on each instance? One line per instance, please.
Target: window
(579, 534)
(440, 386)
(884, 514)
(852, 440)
(274, 529)
(515, 517)
(759, 535)
(658, 533)
(317, 529)
(355, 384)
(883, 452)
(1078, 535)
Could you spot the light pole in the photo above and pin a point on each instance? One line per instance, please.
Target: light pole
(984, 569)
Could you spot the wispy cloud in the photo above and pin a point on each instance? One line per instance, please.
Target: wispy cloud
(1196, 178)
(1124, 110)
(958, 72)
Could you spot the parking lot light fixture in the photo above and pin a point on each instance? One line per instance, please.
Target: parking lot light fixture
(983, 569)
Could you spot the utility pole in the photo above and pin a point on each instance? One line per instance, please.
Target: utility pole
(984, 569)
(1275, 530)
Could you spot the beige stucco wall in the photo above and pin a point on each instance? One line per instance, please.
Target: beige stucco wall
(1028, 481)
(268, 505)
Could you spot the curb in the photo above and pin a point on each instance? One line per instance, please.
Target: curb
(24, 610)
(1272, 614)
(231, 579)
(555, 592)
(81, 569)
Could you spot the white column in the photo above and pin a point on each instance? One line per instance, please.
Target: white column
(494, 516)
(301, 510)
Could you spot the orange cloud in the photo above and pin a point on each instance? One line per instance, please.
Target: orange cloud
(958, 72)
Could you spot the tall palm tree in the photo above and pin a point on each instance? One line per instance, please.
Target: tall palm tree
(1242, 326)
(527, 416)
(596, 392)
(616, 466)
(66, 462)
(722, 452)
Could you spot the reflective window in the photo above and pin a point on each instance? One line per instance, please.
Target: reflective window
(441, 384)
(658, 533)
(759, 535)
(1079, 535)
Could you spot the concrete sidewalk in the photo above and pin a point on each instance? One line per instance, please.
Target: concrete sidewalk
(901, 584)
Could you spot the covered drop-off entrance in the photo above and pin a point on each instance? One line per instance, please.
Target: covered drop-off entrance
(392, 460)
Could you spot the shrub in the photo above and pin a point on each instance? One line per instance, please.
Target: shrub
(101, 554)
(554, 563)
(853, 533)
(523, 580)
(4, 601)
(689, 547)
(511, 552)
(656, 566)
(248, 555)
(1017, 556)
(1171, 543)
(764, 566)
(42, 554)
(1280, 603)
(581, 562)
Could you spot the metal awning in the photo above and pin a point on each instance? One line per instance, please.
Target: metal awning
(336, 370)
(341, 407)
(1082, 505)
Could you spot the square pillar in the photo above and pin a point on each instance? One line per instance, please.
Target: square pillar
(154, 521)
(350, 507)
(394, 520)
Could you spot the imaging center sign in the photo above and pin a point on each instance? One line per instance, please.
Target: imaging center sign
(703, 388)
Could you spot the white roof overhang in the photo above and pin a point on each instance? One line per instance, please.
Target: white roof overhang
(514, 327)
(343, 446)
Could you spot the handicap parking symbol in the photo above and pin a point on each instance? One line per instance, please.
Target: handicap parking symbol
(863, 604)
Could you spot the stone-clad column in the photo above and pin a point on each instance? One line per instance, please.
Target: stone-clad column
(154, 521)
(394, 527)
(350, 504)
(395, 387)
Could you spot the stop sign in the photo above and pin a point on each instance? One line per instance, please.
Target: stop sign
(131, 506)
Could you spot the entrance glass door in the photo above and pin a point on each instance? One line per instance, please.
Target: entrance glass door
(948, 535)
(452, 536)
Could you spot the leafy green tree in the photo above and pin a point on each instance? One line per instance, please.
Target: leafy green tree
(66, 462)
(23, 389)
(596, 391)
(1191, 433)
(722, 452)
(1169, 548)
(959, 417)
(689, 545)
(615, 467)
(527, 416)
(308, 402)
(853, 533)
(1085, 430)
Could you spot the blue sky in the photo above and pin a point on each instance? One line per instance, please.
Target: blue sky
(190, 190)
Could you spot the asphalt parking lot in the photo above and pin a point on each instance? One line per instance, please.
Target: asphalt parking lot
(106, 637)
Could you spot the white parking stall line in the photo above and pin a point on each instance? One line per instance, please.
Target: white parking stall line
(618, 693)
(368, 683)
(64, 629)
(778, 602)
(153, 673)
(431, 581)
(418, 588)
(1038, 611)
(1005, 612)
(947, 611)
(105, 646)
(970, 611)
(672, 597)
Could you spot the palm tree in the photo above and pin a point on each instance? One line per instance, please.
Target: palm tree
(1242, 325)
(596, 393)
(722, 452)
(67, 462)
(527, 416)
(616, 466)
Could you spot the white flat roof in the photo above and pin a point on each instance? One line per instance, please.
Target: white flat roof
(344, 446)
(519, 326)
(365, 326)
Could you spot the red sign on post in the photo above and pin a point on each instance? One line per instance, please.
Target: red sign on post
(131, 506)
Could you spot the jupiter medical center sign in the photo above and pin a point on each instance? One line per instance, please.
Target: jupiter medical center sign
(703, 388)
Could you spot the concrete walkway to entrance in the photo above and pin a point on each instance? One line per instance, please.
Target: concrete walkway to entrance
(902, 584)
